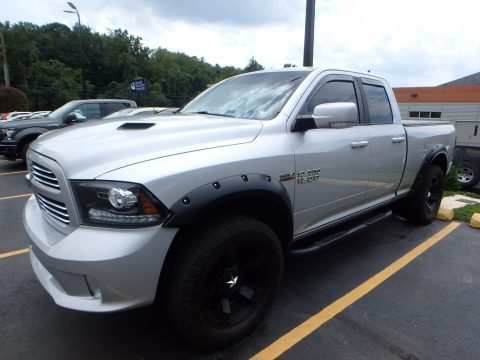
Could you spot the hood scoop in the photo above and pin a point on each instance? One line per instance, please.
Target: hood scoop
(135, 126)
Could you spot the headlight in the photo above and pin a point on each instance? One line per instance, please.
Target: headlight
(117, 204)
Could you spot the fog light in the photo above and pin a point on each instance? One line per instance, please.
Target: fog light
(121, 198)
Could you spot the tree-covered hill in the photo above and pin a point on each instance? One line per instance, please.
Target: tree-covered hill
(46, 63)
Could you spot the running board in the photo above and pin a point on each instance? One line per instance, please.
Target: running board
(341, 234)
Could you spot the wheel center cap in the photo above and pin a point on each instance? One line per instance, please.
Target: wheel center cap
(232, 282)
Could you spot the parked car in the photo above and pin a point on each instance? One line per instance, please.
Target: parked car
(9, 115)
(16, 136)
(467, 160)
(198, 210)
(38, 114)
(141, 111)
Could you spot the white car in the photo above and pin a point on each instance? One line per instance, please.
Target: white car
(10, 115)
(141, 112)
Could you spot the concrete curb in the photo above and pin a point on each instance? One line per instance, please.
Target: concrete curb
(475, 221)
(445, 214)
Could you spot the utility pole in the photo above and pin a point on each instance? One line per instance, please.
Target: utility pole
(309, 32)
(3, 58)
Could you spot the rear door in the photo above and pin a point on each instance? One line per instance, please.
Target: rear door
(388, 146)
(332, 165)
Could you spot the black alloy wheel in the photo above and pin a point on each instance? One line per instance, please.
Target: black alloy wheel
(235, 286)
(222, 276)
(422, 207)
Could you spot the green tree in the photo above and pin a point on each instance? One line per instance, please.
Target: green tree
(253, 65)
(53, 84)
(46, 63)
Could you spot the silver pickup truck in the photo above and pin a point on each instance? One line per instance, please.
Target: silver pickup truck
(198, 210)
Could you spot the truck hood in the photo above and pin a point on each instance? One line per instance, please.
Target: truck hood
(27, 123)
(92, 149)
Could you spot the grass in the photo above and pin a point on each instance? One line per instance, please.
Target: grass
(464, 213)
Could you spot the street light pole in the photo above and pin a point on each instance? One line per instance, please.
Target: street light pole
(309, 32)
(75, 11)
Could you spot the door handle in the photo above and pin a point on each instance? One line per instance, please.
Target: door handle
(359, 144)
(398, 139)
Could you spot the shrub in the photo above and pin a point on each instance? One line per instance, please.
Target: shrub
(451, 181)
(12, 99)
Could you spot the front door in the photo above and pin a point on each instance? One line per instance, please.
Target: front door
(332, 165)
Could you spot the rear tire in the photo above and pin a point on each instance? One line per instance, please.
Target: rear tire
(423, 206)
(222, 280)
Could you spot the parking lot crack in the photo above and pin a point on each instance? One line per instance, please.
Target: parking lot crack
(376, 338)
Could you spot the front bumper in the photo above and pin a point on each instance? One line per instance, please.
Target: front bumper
(96, 269)
(8, 148)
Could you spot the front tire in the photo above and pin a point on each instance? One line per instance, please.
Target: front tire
(23, 153)
(423, 206)
(223, 280)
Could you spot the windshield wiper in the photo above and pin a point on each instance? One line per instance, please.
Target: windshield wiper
(203, 112)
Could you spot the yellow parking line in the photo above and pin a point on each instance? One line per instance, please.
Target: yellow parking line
(296, 335)
(14, 172)
(15, 196)
(13, 253)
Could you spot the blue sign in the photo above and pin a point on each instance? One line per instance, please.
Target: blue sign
(139, 85)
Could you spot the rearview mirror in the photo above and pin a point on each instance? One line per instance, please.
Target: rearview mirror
(335, 115)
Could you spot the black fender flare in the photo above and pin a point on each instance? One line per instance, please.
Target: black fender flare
(436, 151)
(206, 197)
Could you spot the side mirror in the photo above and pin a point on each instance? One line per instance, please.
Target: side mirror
(70, 118)
(338, 115)
(335, 115)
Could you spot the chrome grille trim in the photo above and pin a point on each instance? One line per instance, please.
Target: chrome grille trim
(44, 176)
(55, 209)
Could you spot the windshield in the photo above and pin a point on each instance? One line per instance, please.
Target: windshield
(258, 96)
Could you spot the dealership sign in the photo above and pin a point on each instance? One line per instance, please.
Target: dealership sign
(139, 85)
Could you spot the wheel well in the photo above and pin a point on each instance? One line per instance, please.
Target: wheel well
(24, 141)
(441, 161)
(271, 212)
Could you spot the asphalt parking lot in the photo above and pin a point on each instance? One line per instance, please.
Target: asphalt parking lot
(355, 300)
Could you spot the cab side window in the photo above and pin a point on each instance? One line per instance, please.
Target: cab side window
(87, 112)
(331, 92)
(379, 108)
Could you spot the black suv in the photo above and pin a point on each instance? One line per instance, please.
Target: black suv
(17, 135)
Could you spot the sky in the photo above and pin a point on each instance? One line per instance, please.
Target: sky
(410, 42)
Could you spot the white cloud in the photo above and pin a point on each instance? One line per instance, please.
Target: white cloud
(411, 43)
